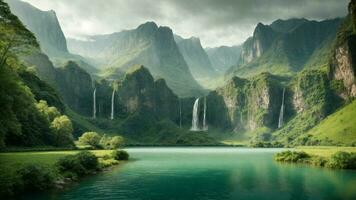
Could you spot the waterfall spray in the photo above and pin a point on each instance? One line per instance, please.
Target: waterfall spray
(94, 104)
(112, 104)
(281, 113)
(195, 118)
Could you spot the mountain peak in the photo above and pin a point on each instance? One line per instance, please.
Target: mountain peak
(148, 26)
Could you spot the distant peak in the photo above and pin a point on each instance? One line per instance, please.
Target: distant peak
(148, 25)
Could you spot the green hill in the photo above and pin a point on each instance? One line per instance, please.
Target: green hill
(340, 127)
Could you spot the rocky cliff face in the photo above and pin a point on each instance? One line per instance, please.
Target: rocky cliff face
(343, 67)
(44, 24)
(140, 92)
(196, 57)
(222, 58)
(343, 63)
(246, 104)
(255, 46)
(286, 47)
(148, 45)
(76, 88)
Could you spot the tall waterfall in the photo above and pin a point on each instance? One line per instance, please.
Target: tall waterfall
(180, 114)
(195, 119)
(94, 104)
(205, 127)
(281, 113)
(112, 104)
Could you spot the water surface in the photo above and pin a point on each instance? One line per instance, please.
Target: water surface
(211, 173)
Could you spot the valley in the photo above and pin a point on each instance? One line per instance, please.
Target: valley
(76, 105)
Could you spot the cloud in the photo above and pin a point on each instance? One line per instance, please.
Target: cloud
(215, 22)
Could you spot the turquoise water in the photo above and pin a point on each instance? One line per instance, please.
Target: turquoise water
(211, 173)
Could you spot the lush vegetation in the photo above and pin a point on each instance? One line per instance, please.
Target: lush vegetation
(36, 171)
(337, 160)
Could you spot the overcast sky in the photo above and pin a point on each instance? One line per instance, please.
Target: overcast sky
(215, 22)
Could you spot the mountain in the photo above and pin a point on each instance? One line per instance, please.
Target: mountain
(287, 46)
(44, 25)
(196, 58)
(148, 45)
(47, 30)
(28, 104)
(223, 57)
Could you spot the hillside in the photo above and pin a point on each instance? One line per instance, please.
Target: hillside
(338, 128)
(44, 25)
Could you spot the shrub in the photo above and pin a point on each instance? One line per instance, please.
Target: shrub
(80, 163)
(34, 177)
(88, 160)
(342, 160)
(116, 142)
(90, 138)
(70, 164)
(291, 156)
(120, 155)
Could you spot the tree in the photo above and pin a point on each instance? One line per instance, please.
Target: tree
(62, 129)
(48, 112)
(90, 138)
(116, 142)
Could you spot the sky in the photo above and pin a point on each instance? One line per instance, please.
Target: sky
(215, 22)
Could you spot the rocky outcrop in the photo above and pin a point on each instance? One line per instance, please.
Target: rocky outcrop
(140, 92)
(246, 104)
(76, 88)
(44, 24)
(255, 46)
(343, 63)
(343, 66)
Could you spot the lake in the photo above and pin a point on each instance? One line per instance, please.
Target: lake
(210, 173)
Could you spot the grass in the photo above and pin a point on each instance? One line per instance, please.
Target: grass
(324, 151)
(321, 156)
(340, 127)
(13, 161)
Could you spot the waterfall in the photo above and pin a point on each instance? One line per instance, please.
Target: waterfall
(180, 114)
(281, 113)
(195, 118)
(112, 104)
(94, 104)
(205, 127)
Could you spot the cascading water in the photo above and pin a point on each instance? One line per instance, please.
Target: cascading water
(281, 113)
(180, 114)
(195, 119)
(112, 104)
(94, 104)
(205, 127)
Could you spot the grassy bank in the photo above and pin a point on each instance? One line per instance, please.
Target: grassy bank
(30, 171)
(330, 157)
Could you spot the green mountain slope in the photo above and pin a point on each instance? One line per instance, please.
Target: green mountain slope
(338, 128)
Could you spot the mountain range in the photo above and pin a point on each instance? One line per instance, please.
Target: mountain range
(297, 71)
